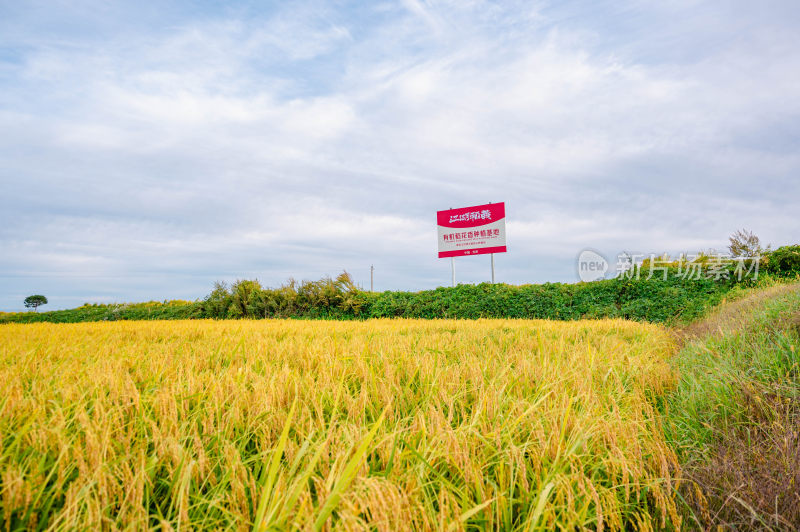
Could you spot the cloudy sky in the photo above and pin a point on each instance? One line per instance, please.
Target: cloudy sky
(148, 149)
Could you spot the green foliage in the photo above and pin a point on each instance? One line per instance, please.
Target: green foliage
(675, 298)
(244, 299)
(715, 370)
(337, 298)
(732, 419)
(216, 304)
(35, 301)
(642, 299)
(784, 261)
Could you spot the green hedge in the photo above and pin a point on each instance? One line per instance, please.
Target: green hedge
(653, 300)
(645, 300)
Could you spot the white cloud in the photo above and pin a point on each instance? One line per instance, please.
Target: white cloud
(236, 143)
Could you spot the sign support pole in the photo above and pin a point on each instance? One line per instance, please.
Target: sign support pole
(487, 236)
(371, 271)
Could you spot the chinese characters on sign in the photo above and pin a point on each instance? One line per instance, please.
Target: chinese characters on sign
(449, 237)
(472, 230)
(472, 215)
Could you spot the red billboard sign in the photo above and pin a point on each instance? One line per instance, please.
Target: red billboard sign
(472, 230)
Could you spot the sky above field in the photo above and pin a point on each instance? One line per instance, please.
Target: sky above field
(148, 149)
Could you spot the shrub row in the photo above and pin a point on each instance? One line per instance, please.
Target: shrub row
(645, 300)
(654, 300)
(637, 297)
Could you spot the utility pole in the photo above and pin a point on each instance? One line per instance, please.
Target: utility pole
(371, 278)
(453, 264)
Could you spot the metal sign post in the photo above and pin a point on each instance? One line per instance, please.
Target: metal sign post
(492, 254)
(453, 268)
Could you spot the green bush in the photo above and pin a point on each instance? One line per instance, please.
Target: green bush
(784, 261)
(216, 304)
(654, 300)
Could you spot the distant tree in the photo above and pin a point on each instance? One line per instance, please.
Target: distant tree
(244, 299)
(745, 244)
(34, 301)
(216, 304)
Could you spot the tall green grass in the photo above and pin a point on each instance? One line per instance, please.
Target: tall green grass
(734, 419)
(716, 370)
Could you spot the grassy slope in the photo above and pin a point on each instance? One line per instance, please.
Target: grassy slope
(735, 416)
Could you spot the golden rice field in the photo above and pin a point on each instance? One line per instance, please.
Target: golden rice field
(383, 424)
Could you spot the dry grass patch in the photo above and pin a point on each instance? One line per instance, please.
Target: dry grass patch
(751, 480)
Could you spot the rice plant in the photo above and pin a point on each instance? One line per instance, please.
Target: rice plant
(380, 424)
